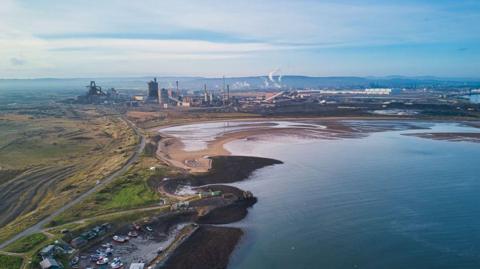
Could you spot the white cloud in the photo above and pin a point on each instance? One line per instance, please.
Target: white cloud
(58, 36)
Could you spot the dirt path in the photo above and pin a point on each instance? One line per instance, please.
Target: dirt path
(38, 227)
(21, 194)
(142, 209)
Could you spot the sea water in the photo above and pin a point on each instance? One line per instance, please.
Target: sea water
(384, 201)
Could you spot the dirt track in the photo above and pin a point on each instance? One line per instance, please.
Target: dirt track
(21, 194)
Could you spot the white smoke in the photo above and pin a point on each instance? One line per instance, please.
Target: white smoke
(265, 82)
(278, 83)
(270, 75)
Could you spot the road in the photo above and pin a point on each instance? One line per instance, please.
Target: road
(38, 227)
(135, 210)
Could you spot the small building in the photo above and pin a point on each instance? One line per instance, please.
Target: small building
(207, 194)
(137, 265)
(99, 230)
(89, 235)
(47, 251)
(180, 206)
(78, 242)
(186, 104)
(378, 91)
(50, 263)
(138, 98)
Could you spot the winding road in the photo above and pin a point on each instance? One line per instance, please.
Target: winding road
(38, 227)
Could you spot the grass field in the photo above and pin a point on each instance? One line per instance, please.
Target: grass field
(49, 155)
(127, 192)
(10, 262)
(26, 243)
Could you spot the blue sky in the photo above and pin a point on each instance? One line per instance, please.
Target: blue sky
(47, 38)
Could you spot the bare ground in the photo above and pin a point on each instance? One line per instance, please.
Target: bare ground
(22, 194)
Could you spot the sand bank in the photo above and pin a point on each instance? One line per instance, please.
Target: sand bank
(172, 148)
(450, 136)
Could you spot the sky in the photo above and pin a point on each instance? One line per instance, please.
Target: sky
(115, 38)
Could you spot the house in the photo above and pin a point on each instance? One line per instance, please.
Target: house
(50, 263)
(78, 242)
(89, 235)
(137, 266)
(47, 251)
(180, 206)
(99, 230)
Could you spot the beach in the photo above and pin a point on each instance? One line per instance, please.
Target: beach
(176, 149)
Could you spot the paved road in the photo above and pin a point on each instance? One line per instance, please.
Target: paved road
(38, 227)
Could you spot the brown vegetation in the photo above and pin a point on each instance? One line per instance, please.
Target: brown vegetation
(48, 159)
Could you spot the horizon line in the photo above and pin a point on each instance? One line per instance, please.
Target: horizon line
(250, 76)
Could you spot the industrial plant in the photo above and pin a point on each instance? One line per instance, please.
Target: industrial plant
(278, 98)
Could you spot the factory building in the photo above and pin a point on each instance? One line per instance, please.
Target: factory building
(378, 91)
(153, 91)
(164, 98)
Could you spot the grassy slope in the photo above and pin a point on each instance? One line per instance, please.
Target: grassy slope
(92, 142)
(10, 262)
(131, 190)
(127, 192)
(26, 243)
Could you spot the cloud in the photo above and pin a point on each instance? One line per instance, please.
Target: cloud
(17, 61)
(216, 35)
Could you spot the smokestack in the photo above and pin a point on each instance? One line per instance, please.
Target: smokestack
(228, 93)
(223, 90)
(178, 91)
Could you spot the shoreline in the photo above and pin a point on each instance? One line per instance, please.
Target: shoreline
(210, 244)
(172, 151)
(216, 165)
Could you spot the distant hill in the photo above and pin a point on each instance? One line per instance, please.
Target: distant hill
(237, 83)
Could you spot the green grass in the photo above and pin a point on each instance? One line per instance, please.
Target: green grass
(10, 262)
(27, 243)
(130, 196)
(116, 219)
(128, 192)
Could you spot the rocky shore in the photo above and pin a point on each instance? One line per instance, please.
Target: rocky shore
(210, 246)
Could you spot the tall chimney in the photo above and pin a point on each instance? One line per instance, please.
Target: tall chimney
(228, 93)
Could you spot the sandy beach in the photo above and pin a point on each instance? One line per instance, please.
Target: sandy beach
(172, 149)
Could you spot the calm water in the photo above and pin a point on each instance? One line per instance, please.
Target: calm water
(385, 201)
